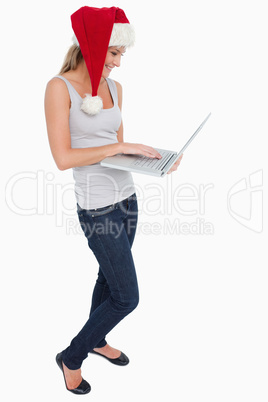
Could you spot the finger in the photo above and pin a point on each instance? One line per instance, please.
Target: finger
(156, 154)
(178, 161)
(152, 153)
(176, 165)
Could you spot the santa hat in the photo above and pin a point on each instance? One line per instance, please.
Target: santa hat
(95, 30)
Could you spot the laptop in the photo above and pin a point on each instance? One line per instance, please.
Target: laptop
(146, 165)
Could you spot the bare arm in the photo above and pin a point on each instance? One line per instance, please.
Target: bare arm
(57, 109)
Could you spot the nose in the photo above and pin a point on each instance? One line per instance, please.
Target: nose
(117, 60)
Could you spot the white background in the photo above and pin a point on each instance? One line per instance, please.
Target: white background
(200, 331)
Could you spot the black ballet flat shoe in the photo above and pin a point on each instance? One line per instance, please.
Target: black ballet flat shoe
(122, 360)
(82, 389)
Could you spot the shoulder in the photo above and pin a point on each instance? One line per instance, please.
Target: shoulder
(118, 87)
(57, 93)
(119, 93)
(57, 89)
(57, 85)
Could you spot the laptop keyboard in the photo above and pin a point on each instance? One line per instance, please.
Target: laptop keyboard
(153, 163)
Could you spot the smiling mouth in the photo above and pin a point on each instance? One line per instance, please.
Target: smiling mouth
(109, 68)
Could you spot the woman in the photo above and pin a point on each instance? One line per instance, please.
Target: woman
(82, 131)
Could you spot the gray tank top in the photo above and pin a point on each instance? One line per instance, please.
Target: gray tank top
(97, 186)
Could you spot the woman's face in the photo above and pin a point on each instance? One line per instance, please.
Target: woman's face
(113, 59)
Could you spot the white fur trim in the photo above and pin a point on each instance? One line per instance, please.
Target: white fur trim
(75, 41)
(122, 35)
(91, 105)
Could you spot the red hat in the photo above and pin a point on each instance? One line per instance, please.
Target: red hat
(95, 30)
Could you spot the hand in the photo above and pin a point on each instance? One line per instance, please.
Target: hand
(175, 166)
(140, 149)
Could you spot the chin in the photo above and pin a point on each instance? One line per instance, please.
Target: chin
(105, 75)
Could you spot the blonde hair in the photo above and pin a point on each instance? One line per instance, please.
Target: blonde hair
(72, 59)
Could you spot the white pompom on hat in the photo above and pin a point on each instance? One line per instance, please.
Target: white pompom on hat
(95, 29)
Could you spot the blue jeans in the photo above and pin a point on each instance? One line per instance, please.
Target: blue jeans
(110, 232)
